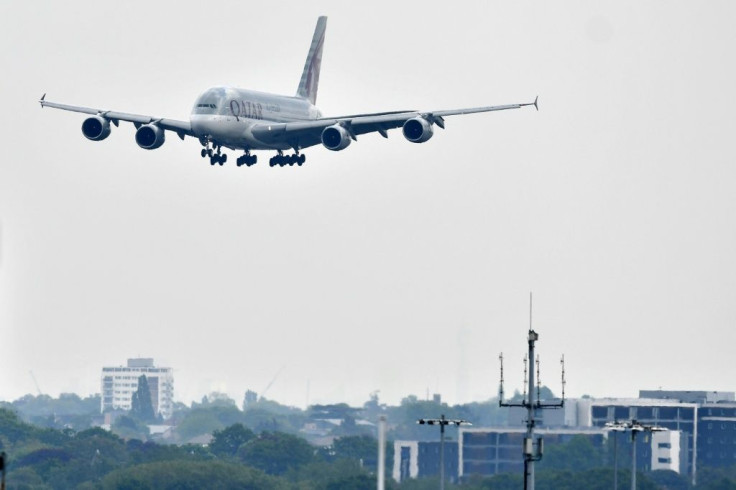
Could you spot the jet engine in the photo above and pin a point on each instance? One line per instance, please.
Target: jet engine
(417, 130)
(96, 128)
(335, 137)
(150, 137)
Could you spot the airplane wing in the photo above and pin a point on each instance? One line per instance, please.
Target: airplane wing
(181, 128)
(303, 134)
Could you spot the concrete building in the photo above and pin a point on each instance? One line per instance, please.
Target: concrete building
(119, 383)
(716, 438)
(701, 397)
(706, 419)
(493, 450)
(414, 459)
(666, 450)
(669, 413)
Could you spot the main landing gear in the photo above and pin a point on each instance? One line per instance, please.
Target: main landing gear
(215, 158)
(247, 159)
(289, 160)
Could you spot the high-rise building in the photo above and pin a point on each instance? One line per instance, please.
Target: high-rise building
(119, 384)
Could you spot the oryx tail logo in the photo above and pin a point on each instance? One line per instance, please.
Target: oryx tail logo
(310, 76)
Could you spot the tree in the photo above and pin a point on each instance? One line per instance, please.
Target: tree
(577, 454)
(361, 449)
(226, 442)
(670, 480)
(319, 474)
(130, 428)
(141, 404)
(206, 420)
(276, 452)
(190, 475)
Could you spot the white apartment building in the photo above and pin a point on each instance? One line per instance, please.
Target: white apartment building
(119, 384)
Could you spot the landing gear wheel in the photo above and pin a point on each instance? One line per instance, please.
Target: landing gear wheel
(301, 159)
(203, 152)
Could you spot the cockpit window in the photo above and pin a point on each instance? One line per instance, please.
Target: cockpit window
(205, 108)
(211, 101)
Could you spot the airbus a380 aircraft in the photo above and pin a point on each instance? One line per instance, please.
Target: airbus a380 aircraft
(247, 120)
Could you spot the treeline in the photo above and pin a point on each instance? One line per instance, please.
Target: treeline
(216, 411)
(262, 446)
(238, 457)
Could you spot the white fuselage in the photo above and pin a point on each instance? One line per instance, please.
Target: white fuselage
(225, 115)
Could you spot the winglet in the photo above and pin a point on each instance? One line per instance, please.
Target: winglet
(41, 100)
(535, 103)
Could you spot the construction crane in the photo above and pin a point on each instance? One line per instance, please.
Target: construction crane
(35, 383)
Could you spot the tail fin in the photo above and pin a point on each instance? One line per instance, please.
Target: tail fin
(310, 76)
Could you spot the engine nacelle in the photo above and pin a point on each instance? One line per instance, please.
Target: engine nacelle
(335, 137)
(150, 136)
(96, 128)
(417, 130)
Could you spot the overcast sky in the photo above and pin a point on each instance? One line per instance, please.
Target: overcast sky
(388, 266)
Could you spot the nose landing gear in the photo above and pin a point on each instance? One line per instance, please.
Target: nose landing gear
(216, 156)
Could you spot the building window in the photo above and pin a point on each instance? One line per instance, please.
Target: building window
(664, 460)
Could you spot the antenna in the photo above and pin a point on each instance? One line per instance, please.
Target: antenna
(526, 377)
(500, 385)
(539, 382)
(562, 364)
(530, 311)
(532, 447)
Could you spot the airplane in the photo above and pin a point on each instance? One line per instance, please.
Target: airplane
(247, 120)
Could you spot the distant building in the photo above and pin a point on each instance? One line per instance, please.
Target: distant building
(666, 412)
(713, 435)
(493, 450)
(414, 459)
(251, 397)
(690, 396)
(717, 434)
(119, 384)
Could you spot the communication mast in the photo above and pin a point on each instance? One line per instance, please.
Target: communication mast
(532, 449)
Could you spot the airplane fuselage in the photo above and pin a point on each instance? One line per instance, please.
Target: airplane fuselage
(225, 115)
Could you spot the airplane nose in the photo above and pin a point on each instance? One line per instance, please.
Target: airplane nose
(201, 125)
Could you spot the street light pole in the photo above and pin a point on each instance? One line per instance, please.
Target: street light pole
(442, 454)
(3, 456)
(381, 453)
(615, 460)
(442, 422)
(634, 426)
(633, 459)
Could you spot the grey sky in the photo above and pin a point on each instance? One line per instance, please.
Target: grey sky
(388, 265)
